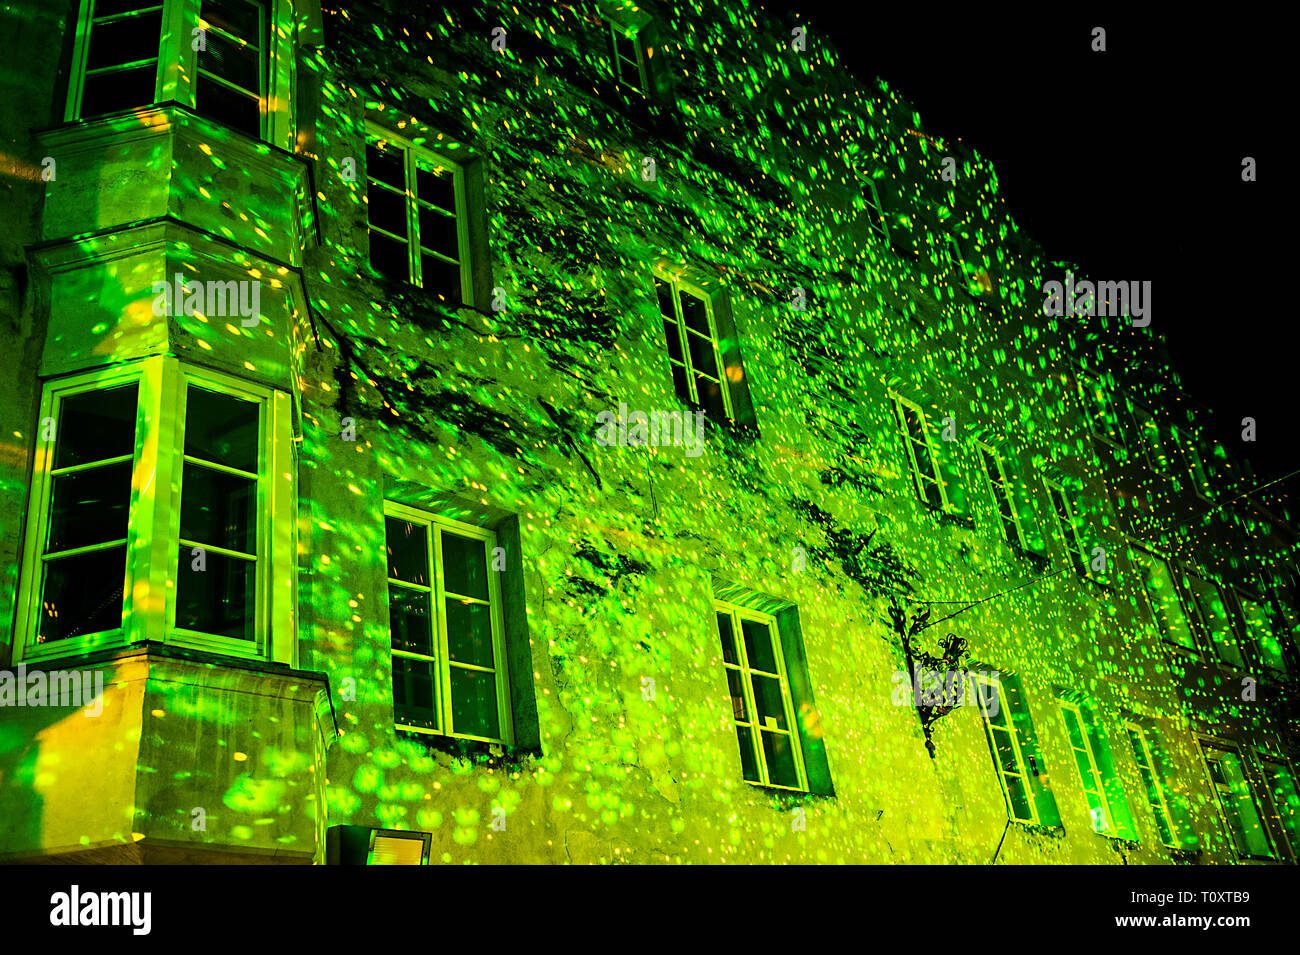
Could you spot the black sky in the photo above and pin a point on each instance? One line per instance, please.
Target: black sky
(1129, 163)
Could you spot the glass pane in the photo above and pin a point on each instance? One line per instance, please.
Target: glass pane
(674, 340)
(702, 359)
(389, 257)
(237, 17)
(438, 233)
(758, 645)
(386, 165)
(469, 632)
(124, 41)
(408, 551)
(1019, 795)
(736, 687)
(780, 760)
(710, 394)
(117, 90)
(89, 507)
(216, 594)
(728, 638)
(228, 106)
(387, 210)
(230, 61)
(95, 425)
(221, 428)
(437, 187)
(83, 594)
(413, 684)
(440, 278)
(409, 623)
(464, 566)
(748, 755)
(219, 509)
(474, 703)
(664, 292)
(681, 384)
(767, 698)
(695, 313)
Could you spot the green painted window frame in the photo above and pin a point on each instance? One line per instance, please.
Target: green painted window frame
(1067, 526)
(435, 526)
(154, 515)
(676, 289)
(1009, 732)
(1102, 787)
(416, 157)
(622, 63)
(1227, 756)
(747, 719)
(914, 431)
(176, 66)
(1002, 494)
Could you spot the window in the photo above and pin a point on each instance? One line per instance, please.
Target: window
(1098, 413)
(921, 458)
(876, 213)
(154, 515)
(1067, 527)
(1170, 815)
(1162, 593)
(1236, 801)
(1195, 465)
(1216, 626)
(131, 54)
(1014, 748)
(1004, 503)
(762, 705)
(631, 47)
(445, 624)
(1284, 798)
(1153, 447)
(694, 349)
(1258, 633)
(416, 217)
(1107, 805)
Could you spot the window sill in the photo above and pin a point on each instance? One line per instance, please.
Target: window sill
(478, 752)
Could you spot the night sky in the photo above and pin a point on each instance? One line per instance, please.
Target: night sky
(1129, 163)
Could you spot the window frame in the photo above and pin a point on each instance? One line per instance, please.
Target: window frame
(435, 525)
(739, 613)
(1242, 598)
(901, 405)
(1100, 405)
(1142, 745)
(1288, 831)
(1172, 572)
(987, 453)
(1059, 497)
(877, 224)
(676, 288)
(152, 559)
(997, 683)
(176, 67)
(1109, 788)
(412, 153)
(1199, 618)
(1206, 745)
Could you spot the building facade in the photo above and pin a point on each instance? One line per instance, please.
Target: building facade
(604, 433)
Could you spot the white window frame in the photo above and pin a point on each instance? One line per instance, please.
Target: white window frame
(176, 69)
(739, 613)
(991, 689)
(900, 405)
(435, 525)
(149, 590)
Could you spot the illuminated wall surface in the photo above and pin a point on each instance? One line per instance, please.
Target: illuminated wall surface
(893, 429)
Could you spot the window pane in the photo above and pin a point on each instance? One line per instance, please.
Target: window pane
(674, 340)
(219, 509)
(83, 594)
(409, 623)
(464, 566)
(710, 393)
(681, 384)
(95, 425)
(436, 187)
(124, 41)
(474, 703)
(728, 638)
(748, 755)
(408, 551)
(387, 165)
(736, 687)
(413, 683)
(780, 760)
(221, 428)
(108, 8)
(438, 233)
(469, 632)
(440, 278)
(702, 360)
(119, 89)
(228, 106)
(664, 292)
(232, 62)
(389, 257)
(758, 645)
(237, 17)
(89, 507)
(768, 700)
(387, 210)
(220, 599)
(695, 313)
